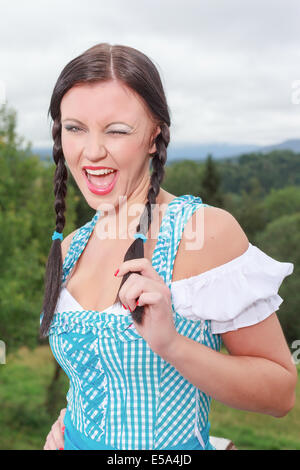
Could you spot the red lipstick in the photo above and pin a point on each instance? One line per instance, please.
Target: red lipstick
(100, 191)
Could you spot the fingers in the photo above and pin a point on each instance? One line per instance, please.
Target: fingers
(51, 443)
(132, 289)
(143, 265)
(135, 289)
(150, 298)
(62, 417)
(58, 434)
(55, 439)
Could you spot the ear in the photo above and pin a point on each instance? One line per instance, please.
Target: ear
(153, 136)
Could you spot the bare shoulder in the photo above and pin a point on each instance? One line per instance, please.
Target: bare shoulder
(223, 235)
(65, 244)
(212, 236)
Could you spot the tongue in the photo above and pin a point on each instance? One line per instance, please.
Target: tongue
(101, 181)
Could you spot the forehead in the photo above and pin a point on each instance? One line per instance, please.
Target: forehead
(103, 100)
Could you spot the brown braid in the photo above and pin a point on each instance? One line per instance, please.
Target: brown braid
(136, 249)
(54, 269)
(134, 69)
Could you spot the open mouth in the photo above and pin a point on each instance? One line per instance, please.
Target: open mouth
(100, 181)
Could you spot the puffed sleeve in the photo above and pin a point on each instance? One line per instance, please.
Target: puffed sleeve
(236, 294)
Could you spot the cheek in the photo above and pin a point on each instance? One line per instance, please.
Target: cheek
(71, 150)
(128, 153)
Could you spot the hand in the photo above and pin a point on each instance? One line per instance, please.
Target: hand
(55, 439)
(149, 289)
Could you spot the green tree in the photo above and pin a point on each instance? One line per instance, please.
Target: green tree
(211, 183)
(248, 208)
(27, 221)
(281, 202)
(183, 178)
(275, 169)
(281, 240)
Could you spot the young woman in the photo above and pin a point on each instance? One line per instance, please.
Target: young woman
(138, 300)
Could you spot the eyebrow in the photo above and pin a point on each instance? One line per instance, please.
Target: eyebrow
(81, 123)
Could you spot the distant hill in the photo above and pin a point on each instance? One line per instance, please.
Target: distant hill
(226, 150)
(292, 144)
(200, 151)
(43, 152)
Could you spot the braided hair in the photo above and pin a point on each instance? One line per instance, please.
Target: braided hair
(99, 63)
(136, 249)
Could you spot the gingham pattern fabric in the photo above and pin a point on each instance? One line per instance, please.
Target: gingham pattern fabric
(121, 392)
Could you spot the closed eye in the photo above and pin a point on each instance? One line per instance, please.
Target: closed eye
(118, 132)
(70, 129)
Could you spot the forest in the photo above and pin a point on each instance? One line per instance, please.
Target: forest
(262, 191)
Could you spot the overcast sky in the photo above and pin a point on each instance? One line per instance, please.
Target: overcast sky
(228, 66)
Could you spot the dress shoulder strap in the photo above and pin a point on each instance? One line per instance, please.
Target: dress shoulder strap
(178, 213)
(77, 245)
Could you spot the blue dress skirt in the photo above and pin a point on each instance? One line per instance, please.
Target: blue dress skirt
(74, 440)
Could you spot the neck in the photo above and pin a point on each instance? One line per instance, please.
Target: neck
(122, 222)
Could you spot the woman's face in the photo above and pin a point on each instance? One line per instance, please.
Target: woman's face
(106, 124)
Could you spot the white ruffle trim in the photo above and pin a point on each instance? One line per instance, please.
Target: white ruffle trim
(239, 293)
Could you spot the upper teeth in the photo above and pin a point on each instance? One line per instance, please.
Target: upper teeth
(99, 172)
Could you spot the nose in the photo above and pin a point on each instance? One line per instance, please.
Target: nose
(94, 148)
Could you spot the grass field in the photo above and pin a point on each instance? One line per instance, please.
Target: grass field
(25, 422)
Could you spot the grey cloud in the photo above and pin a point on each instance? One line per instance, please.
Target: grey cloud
(227, 66)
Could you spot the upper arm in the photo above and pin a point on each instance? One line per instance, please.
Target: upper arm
(65, 244)
(224, 240)
(264, 339)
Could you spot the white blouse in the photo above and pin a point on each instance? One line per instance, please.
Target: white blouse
(239, 293)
